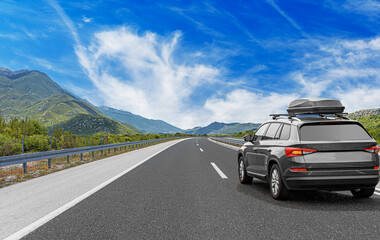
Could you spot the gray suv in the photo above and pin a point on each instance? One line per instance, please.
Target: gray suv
(320, 150)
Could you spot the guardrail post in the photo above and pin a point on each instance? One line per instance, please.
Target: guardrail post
(24, 165)
(93, 154)
(51, 147)
(109, 150)
(101, 143)
(68, 158)
(81, 156)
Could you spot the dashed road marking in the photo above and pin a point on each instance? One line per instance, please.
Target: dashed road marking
(201, 149)
(221, 174)
(377, 191)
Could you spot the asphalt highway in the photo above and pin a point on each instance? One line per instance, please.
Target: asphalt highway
(191, 191)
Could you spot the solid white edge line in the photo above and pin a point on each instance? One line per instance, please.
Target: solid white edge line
(221, 174)
(201, 149)
(377, 193)
(33, 226)
(377, 189)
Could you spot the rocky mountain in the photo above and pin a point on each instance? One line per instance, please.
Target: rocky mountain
(144, 124)
(370, 118)
(219, 128)
(33, 95)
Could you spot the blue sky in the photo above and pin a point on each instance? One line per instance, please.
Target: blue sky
(193, 62)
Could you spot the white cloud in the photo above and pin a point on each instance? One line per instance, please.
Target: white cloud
(362, 97)
(245, 106)
(340, 66)
(137, 72)
(143, 73)
(86, 19)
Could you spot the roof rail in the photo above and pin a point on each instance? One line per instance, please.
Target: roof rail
(292, 116)
(341, 115)
(277, 115)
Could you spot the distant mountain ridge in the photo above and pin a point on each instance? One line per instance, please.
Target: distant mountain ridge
(34, 95)
(219, 128)
(144, 124)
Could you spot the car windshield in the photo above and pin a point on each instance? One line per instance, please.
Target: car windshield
(333, 132)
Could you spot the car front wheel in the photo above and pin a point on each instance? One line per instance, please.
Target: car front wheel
(243, 177)
(277, 187)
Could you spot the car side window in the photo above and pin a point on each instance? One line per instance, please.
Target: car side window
(272, 130)
(260, 132)
(278, 132)
(285, 133)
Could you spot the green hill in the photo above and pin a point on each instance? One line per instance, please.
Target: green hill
(33, 95)
(85, 124)
(370, 118)
(144, 124)
(58, 108)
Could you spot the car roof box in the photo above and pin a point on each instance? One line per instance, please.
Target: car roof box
(307, 106)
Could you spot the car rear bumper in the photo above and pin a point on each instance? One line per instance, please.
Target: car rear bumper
(332, 180)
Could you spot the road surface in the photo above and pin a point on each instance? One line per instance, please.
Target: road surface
(191, 191)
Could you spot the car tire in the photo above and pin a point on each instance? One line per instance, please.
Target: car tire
(243, 177)
(363, 192)
(276, 185)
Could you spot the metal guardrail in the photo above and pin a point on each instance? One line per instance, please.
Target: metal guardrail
(229, 140)
(31, 157)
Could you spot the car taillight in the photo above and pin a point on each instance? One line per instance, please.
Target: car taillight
(376, 168)
(372, 149)
(295, 152)
(298, 169)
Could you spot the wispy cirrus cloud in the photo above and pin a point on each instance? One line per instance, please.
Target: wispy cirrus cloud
(365, 7)
(345, 69)
(201, 26)
(67, 21)
(289, 19)
(11, 36)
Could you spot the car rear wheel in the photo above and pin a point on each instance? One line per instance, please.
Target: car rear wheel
(363, 192)
(277, 187)
(243, 177)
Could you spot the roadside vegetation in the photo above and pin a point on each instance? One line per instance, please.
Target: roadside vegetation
(37, 139)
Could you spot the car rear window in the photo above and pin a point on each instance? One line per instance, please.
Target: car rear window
(333, 132)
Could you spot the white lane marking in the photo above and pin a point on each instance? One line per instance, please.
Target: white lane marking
(197, 144)
(377, 189)
(377, 193)
(201, 149)
(33, 226)
(222, 175)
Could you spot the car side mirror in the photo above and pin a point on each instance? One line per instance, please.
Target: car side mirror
(247, 138)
